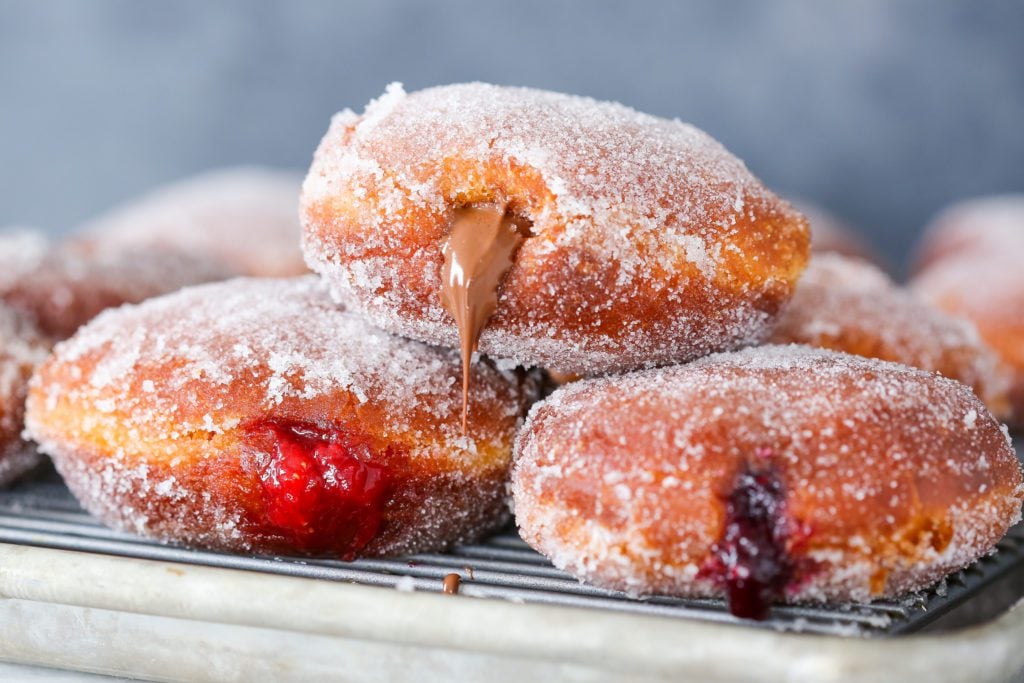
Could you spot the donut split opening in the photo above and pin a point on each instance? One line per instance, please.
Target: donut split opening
(751, 558)
(480, 249)
(316, 491)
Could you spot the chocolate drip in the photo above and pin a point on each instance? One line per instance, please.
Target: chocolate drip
(477, 254)
(450, 585)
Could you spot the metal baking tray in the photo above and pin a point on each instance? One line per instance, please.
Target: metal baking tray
(80, 596)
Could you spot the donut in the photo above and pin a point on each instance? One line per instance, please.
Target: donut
(983, 227)
(849, 305)
(257, 416)
(546, 230)
(22, 348)
(832, 235)
(988, 290)
(778, 473)
(65, 285)
(245, 218)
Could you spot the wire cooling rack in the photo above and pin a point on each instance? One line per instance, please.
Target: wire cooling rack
(40, 511)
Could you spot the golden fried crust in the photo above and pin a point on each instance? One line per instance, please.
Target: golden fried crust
(848, 305)
(158, 415)
(890, 477)
(650, 243)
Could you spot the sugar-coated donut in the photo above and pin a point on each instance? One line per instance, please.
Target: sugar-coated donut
(773, 473)
(246, 218)
(22, 348)
(988, 290)
(845, 304)
(986, 227)
(257, 416)
(61, 287)
(646, 242)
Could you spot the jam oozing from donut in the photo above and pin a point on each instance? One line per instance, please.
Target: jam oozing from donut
(319, 490)
(751, 558)
(478, 252)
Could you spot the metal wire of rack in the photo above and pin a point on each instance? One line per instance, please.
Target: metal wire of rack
(41, 512)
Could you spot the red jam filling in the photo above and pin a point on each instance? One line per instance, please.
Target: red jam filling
(320, 492)
(751, 559)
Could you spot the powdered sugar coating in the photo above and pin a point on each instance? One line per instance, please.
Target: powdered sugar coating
(892, 476)
(246, 218)
(147, 413)
(985, 227)
(651, 243)
(849, 305)
(22, 347)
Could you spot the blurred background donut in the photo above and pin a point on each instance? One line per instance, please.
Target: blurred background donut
(832, 235)
(845, 304)
(983, 227)
(969, 264)
(245, 218)
(70, 283)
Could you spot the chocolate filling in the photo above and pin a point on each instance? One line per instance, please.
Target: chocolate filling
(450, 585)
(479, 251)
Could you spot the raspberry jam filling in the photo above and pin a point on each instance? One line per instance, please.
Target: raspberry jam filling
(320, 491)
(751, 559)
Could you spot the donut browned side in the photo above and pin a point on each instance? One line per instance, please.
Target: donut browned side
(22, 348)
(256, 416)
(649, 242)
(849, 305)
(773, 473)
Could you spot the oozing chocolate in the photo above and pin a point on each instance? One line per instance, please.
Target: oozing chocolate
(478, 252)
(317, 491)
(751, 559)
(450, 586)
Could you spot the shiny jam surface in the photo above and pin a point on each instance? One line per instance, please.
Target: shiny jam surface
(320, 492)
(750, 560)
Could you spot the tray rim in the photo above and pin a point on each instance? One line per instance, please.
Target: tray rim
(616, 644)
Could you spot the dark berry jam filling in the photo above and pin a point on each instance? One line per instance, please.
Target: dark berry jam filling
(751, 559)
(320, 491)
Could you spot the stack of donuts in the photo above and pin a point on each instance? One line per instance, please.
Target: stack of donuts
(735, 427)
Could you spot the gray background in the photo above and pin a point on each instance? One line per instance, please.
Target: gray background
(882, 110)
